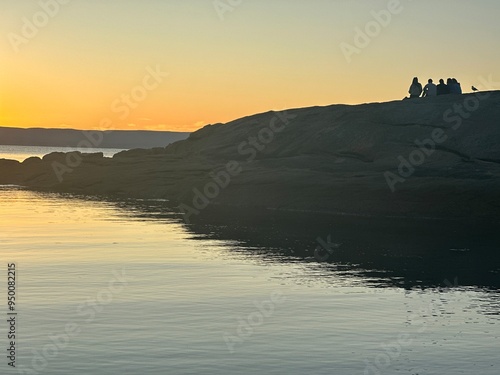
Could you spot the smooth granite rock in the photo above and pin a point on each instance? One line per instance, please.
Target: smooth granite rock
(430, 157)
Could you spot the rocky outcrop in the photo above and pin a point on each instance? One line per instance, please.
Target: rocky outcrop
(432, 157)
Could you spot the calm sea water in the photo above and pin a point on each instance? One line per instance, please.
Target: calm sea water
(21, 153)
(126, 288)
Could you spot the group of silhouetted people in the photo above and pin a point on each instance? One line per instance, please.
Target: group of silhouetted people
(452, 86)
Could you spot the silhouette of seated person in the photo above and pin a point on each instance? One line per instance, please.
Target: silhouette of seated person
(442, 88)
(430, 89)
(415, 89)
(455, 87)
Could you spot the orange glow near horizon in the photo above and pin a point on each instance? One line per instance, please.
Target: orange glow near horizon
(92, 61)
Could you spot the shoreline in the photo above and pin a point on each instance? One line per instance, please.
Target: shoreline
(333, 159)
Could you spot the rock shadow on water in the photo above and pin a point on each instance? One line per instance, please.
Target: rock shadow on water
(379, 252)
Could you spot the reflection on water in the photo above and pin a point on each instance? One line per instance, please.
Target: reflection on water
(245, 294)
(379, 252)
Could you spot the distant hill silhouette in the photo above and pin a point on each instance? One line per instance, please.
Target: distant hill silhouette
(71, 138)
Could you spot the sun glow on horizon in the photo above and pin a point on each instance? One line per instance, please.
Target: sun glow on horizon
(181, 65)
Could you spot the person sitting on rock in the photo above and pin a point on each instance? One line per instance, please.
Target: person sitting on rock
(430, 89)
(442, 88)
(454, 86)
(415, 89)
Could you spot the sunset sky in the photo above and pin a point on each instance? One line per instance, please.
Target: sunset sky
(89, 60)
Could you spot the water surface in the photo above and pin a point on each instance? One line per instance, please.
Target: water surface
(151, 295)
